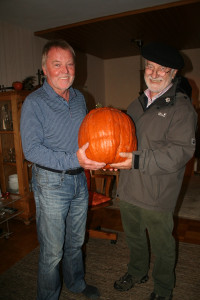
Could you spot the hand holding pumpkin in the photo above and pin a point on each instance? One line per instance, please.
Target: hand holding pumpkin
(85, 162)
(127, 164)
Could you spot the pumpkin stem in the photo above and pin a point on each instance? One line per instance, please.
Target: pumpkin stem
(98, 105)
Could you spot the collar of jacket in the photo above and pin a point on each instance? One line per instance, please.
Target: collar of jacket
(166, 99)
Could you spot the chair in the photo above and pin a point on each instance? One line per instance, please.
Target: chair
(98, 201)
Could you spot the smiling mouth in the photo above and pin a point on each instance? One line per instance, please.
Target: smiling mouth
(156, 80)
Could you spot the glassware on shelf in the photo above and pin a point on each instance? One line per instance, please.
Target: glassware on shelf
(13, 185)
(12, 155)
(6, 122)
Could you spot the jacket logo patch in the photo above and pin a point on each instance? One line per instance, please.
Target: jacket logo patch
(162, 114)
(167, 100)
(193, 141)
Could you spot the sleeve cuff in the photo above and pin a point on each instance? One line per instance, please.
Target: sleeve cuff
(136, 161)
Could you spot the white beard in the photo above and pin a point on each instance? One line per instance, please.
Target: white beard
(157, 85)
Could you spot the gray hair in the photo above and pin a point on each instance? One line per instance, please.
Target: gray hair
(55, 44)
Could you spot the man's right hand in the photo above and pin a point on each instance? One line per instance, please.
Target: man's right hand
(87, 163)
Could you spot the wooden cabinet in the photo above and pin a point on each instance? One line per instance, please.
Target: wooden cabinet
(12, 160)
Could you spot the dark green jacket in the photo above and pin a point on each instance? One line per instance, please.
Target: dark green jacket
(166, 142)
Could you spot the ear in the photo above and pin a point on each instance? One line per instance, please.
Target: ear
(174, 73)
(44, 70)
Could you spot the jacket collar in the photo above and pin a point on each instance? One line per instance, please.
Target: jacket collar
(166, 99)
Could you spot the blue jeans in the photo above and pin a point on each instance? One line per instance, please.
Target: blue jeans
(61, 212)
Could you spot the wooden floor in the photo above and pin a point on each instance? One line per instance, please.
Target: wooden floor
(24, 237)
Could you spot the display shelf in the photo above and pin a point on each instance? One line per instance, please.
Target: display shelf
(6, 131)
(12, 160)
(8, 215)
(9, 163)
(8, 212)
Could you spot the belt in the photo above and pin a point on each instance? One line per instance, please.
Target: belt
(69, 172)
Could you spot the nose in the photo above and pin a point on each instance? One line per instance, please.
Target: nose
(154, 73)
(65, 69)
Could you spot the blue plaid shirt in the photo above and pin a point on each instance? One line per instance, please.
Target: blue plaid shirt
(49, 127)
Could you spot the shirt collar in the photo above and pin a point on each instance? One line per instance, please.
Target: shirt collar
(52, 94)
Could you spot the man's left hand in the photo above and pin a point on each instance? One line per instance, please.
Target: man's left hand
(127, 164)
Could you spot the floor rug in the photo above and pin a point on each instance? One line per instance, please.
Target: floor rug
(105, 262)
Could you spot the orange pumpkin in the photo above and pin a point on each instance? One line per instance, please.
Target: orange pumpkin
(109, 131)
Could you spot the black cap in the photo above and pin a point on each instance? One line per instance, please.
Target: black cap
(163, 55)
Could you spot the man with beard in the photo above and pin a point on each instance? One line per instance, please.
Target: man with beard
(50, 121)
(151, 177)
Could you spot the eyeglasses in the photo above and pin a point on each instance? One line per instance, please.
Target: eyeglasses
(161, 71)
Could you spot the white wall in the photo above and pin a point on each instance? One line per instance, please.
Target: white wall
(122, 81)
(95, 82)
(90, 78)
(20, 54)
